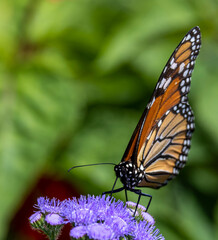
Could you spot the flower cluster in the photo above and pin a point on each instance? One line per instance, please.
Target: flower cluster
(94, 218)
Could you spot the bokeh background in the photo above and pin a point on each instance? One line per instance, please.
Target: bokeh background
(75, 76)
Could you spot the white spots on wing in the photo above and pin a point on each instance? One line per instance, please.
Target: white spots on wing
(184, 109)
(184, 149)
(185, 73)
(159, 123)
(188, 37)
(167, 112)
(166, 84)
(184, 99)
(182, 158)
(182, 83)
(151, 102)
(181, 73)
(173, 66)
(192, 39)
(181, 67)
(149, 135)
(162, 82)
(194, 31)
(183, 89)
(172, 61)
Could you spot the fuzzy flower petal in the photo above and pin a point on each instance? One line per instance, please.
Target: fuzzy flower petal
(45, 205)
(133, 206)
(99, 231)
(78, 232)
(146, 216)
(35, 217)
(144, 230)
(54, 219)
(96, 218)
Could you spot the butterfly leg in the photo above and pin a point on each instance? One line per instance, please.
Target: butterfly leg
(114, 186)
(113, 191)
(126, 195)
(138, 203)
(140, 193)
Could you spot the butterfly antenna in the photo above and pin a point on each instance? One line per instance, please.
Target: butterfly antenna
(88, 165)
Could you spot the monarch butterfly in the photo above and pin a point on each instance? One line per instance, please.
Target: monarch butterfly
(160, 143)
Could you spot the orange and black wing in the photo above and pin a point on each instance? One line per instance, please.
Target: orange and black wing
(161, 140)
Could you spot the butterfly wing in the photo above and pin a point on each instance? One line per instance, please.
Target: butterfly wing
(161, 140)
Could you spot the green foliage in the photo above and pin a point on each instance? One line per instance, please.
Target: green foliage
(78, 74)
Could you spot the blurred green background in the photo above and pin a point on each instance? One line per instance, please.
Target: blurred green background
(76, 75)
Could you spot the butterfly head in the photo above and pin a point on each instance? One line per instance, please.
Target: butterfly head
(129, 174)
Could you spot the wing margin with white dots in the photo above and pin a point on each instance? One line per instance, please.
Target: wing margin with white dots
(169, 108)
(169, 99)
(168, 145)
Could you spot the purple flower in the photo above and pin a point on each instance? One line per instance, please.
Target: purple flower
(78, 232)
(51, 210)
(99, 231)
(81, 211)
(54, 219)
(110, 215)
(132, 205)
(141, 212)
(146, 216)
(95, 218)
(35, 217)
(144, 230)
(45, 205)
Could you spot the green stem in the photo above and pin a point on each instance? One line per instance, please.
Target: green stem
(52, 235)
